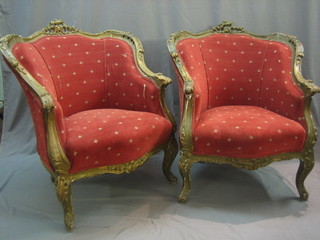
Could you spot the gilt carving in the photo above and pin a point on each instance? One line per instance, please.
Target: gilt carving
(186, 138)
(228, 27)
(58, 27)
(56, 154)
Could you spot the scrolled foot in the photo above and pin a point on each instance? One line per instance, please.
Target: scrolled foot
(184, 168)
(304, 196)
(68, 221)
(182, 198)
(305, 167)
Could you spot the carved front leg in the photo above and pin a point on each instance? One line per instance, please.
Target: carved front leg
(63, 190)
(305, 167)
(169, 155)
(184, 167)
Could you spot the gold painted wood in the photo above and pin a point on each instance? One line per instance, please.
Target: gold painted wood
(187, 158)
(56, 154)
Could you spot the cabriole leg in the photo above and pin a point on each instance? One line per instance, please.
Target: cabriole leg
(63, 190)
(184, 168)
(169, 155)
(305, 167)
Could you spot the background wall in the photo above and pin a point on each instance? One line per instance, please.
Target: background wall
(234, 214)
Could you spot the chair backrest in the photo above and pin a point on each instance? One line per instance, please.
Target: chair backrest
(242, 69)
(85, 73)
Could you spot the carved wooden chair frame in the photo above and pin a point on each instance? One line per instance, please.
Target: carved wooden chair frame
(57, 157)
(187, 158)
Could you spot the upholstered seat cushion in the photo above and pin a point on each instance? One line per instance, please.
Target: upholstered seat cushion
(112, 136)
(246, 132)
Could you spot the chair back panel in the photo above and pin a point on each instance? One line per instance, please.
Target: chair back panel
(233, 66)
(84, 73)
(76, 64)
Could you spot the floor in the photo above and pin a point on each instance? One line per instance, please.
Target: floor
(224, 203)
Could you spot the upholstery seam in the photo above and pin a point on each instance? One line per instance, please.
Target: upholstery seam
(63, 143)
(55, 88)
(105, 73)
(205, 73)
(262, 71)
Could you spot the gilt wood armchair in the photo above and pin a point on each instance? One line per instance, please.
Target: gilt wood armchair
(244, 101)
(96, 107)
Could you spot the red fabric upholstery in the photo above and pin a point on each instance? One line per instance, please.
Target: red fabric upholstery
(246, 132)
(237, 69)
(111, 136)
(82, 74)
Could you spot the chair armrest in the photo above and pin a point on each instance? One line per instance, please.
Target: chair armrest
(306, 85)
(163, 80)
(44, 102)
(309, 87)
(159, 79)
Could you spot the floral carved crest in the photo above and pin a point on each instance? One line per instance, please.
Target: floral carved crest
(58, 27)
(228, 27)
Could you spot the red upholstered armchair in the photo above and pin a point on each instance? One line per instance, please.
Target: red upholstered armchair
(244, 101)
(96, 107)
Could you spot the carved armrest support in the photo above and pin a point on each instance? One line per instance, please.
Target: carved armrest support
(188, 82)
(163, 80)
(312, 88)
(57, 156)
(160, 80)
(306, 84)
(188, 88)
(187, 117)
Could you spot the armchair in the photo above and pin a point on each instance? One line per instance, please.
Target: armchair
(244, 101)
(95, 105)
